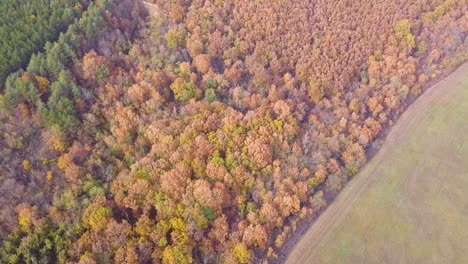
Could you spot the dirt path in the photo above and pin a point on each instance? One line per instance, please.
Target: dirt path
(336, 212)
(153, 9)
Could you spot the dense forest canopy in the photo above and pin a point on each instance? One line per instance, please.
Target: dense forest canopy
(203, 131)
(26, 25)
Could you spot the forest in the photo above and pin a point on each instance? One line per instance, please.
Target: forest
(199, 131)
(27, 25)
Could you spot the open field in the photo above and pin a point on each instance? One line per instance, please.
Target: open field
(409, 204)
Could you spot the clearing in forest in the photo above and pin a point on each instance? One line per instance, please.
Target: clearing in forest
(409, 204)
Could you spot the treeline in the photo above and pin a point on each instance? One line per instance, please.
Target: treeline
(27, 25)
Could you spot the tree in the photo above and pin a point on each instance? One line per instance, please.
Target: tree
(102, 73)
(42, 83)
(27, 216)
(202, 63)
(255, 236)
(27, 165)
(210, 95)
(19, 89)
(354, 157)
(97, 214)
(241, 253)
(95, 67)
(63, 87)
(183, 90)
(315, 91)
(174, 255)
(403, 31)
(260, 152)
(175, 38)
(62, 116)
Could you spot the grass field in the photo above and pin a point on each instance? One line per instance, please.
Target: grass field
(410, 203)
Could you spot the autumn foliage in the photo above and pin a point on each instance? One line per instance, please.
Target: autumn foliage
(205, 133)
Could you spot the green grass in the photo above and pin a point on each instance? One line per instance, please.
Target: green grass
(416, 209)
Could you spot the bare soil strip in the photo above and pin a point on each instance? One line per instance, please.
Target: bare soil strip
(153, 9)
